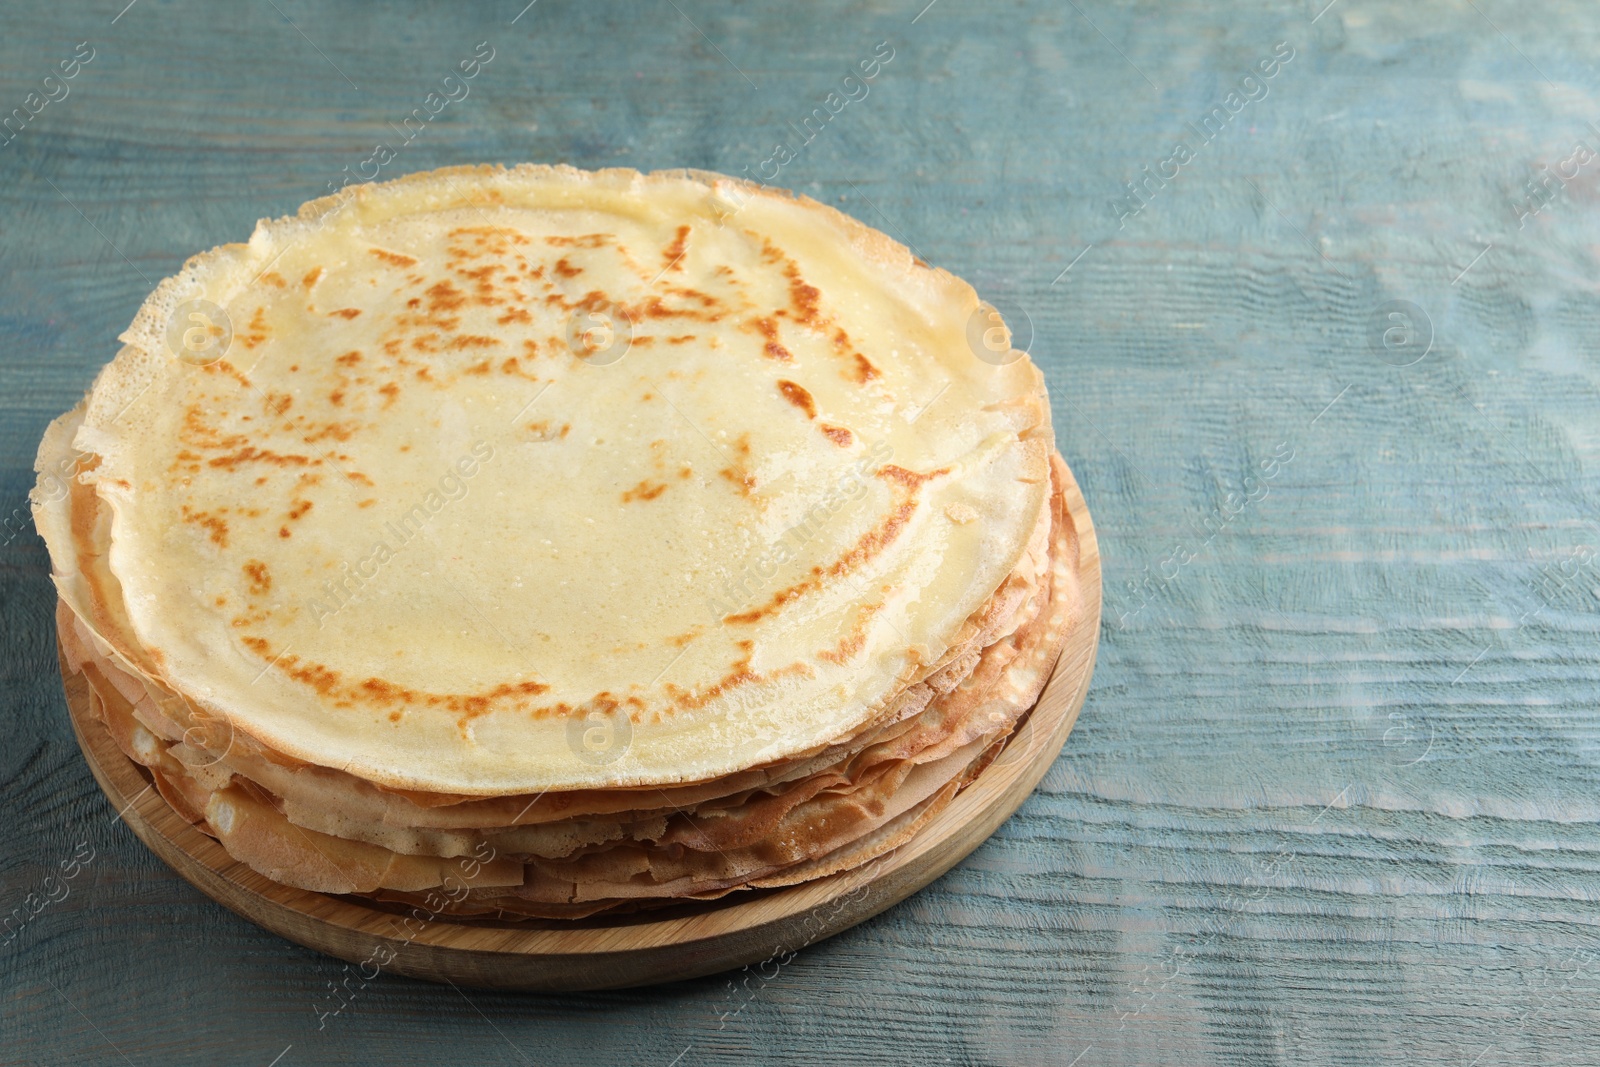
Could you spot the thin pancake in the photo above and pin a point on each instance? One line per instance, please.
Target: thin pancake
(324, 794)
(385, 349)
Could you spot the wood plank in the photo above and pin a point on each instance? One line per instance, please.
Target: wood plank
(1442, 911)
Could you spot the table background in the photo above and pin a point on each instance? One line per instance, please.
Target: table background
(1333, 796)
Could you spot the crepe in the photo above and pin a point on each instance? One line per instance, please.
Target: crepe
(298, 526)
(619, 539)
(92, 591)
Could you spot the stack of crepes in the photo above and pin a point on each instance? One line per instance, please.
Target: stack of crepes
(571, 541)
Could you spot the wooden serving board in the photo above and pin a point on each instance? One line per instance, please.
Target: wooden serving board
(611, 953)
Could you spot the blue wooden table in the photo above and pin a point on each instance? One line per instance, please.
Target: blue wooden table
(1317, 289)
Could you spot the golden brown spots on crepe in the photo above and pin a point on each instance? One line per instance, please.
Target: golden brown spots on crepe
(260, 577)
(767, 327)
(587, 240)
(313, 276)
(860, 369)
(565, 269)
(738, 675)
(315, 675)
(778, 600)
(201, 434)
(394, 259)
(909, 479)
(674, 252)
(852, 643)
(512, 365)
(384, 694)
(906, 485)
(739, 473)
(797, 395)
(838, 435)
(254, 334)
(544, 431)
(349, 359)
(742, 479)
(487, 240)
(250, 454)
(214, 525)
(472, 341)
(274, 279)
(645, 490)
(443, 296)
(222, 366)
(336, 431)
(346, 313)
(704, 299)
(805, 299)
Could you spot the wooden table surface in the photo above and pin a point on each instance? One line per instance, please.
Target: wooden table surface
(1333, 796)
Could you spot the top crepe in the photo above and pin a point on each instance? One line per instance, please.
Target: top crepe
(426, 481)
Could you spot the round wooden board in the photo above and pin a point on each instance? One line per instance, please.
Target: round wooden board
(697, 940)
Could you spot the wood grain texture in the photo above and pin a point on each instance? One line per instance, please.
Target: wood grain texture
(739, 931)
(1333, 797)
